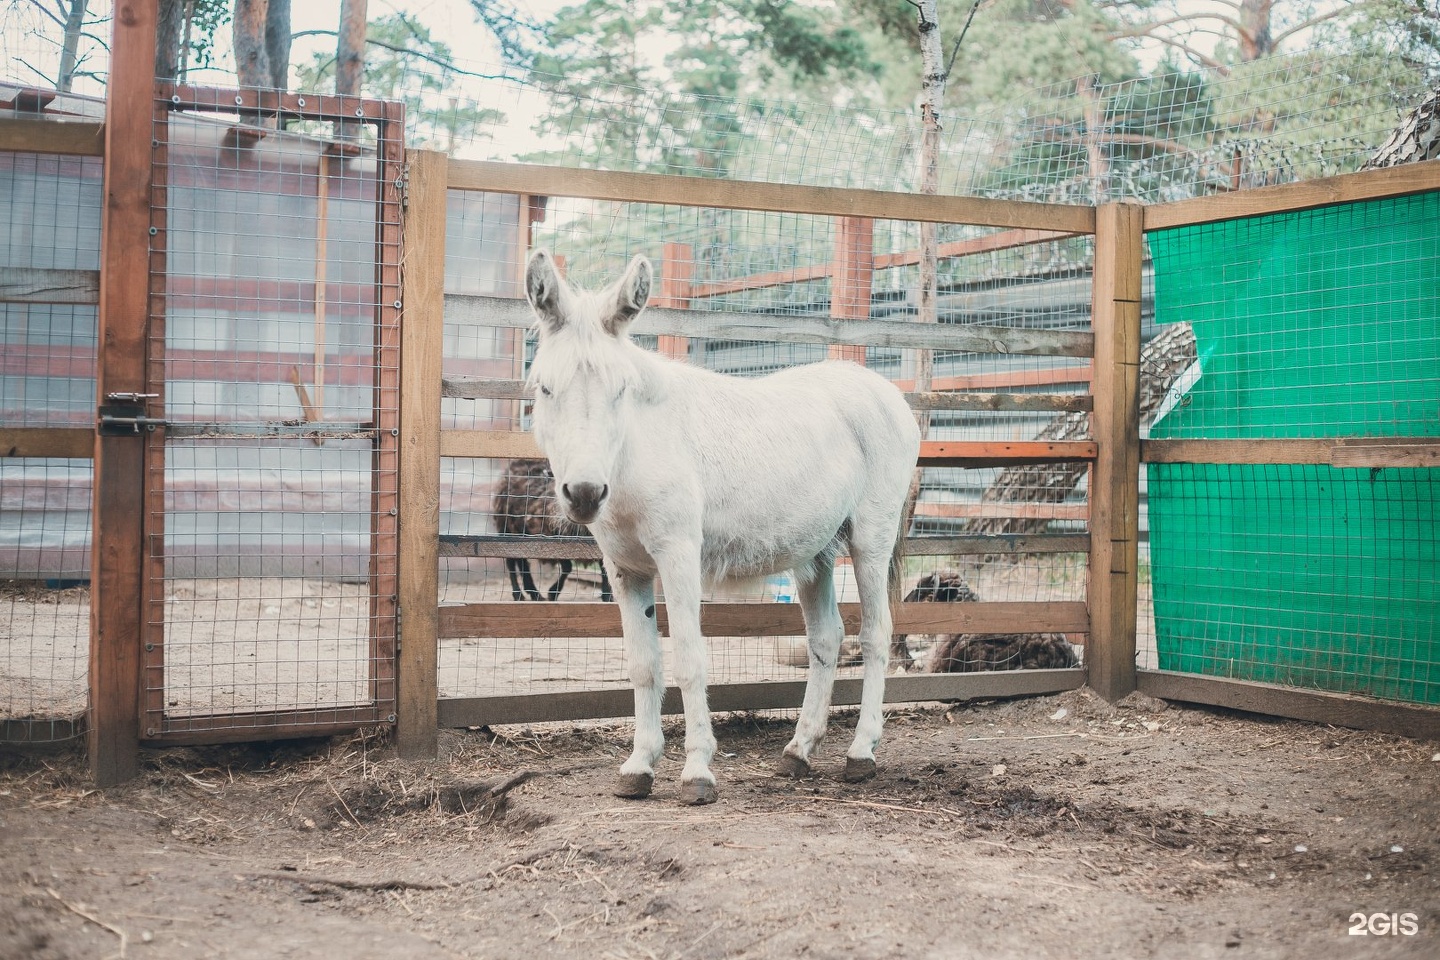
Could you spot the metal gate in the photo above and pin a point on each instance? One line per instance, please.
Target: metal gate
(270, 414)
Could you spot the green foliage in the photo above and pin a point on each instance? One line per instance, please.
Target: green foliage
(206, 19)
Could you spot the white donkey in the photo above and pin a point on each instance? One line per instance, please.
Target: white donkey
(702, 478)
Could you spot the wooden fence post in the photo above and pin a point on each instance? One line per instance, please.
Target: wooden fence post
(677, 272)
(117, 572)
(1115, 476)
(852, 274)
(421, 348)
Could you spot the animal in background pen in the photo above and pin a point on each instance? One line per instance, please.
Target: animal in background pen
(524, 505)
(976, 652)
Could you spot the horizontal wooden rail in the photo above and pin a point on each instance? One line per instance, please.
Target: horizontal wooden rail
(535, 180)
(75, 443)
(31, 285)
(1357, 452)
(498, 545)
(545, 619)
(28, 135)
(991, 453)
(724, 325)
(765, 695)
(479, 388)
(1346, 188)
(509, 444)
(1004, 240)
(1004, 510)
(1338, 709)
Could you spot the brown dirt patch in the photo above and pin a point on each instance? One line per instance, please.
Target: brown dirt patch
(997, 830)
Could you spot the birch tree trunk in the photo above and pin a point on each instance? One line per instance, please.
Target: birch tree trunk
(74, 23)
(932, 93)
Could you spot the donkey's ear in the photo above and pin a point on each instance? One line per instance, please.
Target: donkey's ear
(545, 290)
(630, 296)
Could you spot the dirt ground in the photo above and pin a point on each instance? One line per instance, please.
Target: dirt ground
(1049, 827)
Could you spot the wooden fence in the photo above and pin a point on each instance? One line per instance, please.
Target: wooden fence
(1115, 451)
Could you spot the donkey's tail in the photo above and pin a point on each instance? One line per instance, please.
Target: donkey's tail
(896, 579)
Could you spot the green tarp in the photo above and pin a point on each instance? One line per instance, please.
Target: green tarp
(1324, 323)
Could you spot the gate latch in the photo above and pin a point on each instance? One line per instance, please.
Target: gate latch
(125, 415)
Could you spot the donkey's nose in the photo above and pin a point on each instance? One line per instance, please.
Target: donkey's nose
(583, 500)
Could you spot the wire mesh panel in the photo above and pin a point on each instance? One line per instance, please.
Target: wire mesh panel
(271, 531)
(49, 254)
(735, 290)
(1314, 570)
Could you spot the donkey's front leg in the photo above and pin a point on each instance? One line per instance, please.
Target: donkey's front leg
(636, 599)
(682, 605)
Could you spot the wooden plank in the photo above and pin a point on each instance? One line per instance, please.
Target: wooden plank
(247, 724)
(1346, 188)
(1007, 510)
(77, 443)
(721, 325)
(1317, 706)
(1005, 240)
(495, 545)
(768, 695)
(545, 619)
(852, 274)
(502, 177)
(504, 444)
(117, 564)
(480, 388)
(1386, 455)
(761, 281)
(676, 272)
(1360, 452)
(41, 731)
(422, 332)
(988, 453)
(507, 444)
(32, 285)
(28, 135)
(935, 400)
(1112, 587)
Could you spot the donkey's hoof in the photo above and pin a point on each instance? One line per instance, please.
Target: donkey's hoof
(697, 793)
(792, 766)
(858, 769)
(634, 786)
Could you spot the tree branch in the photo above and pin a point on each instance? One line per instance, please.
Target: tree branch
(1312, 22)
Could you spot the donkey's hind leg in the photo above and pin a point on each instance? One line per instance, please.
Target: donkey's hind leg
(870, 554)
(824, 631)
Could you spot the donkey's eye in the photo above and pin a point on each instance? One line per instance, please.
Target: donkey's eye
(545, 391)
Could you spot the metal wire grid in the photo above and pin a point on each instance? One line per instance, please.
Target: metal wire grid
(1314, 324)
(272, 603)
(719, 264)
(49, 250)
(1161, 137)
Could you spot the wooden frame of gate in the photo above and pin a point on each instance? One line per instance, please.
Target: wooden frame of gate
(1113, 349)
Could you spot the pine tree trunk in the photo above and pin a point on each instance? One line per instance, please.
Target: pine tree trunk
(1417, 138)
(277, 43)
(1162, 360)
(252, 62)
(350, 50)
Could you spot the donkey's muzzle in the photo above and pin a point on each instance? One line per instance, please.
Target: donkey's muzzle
(583, 500)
